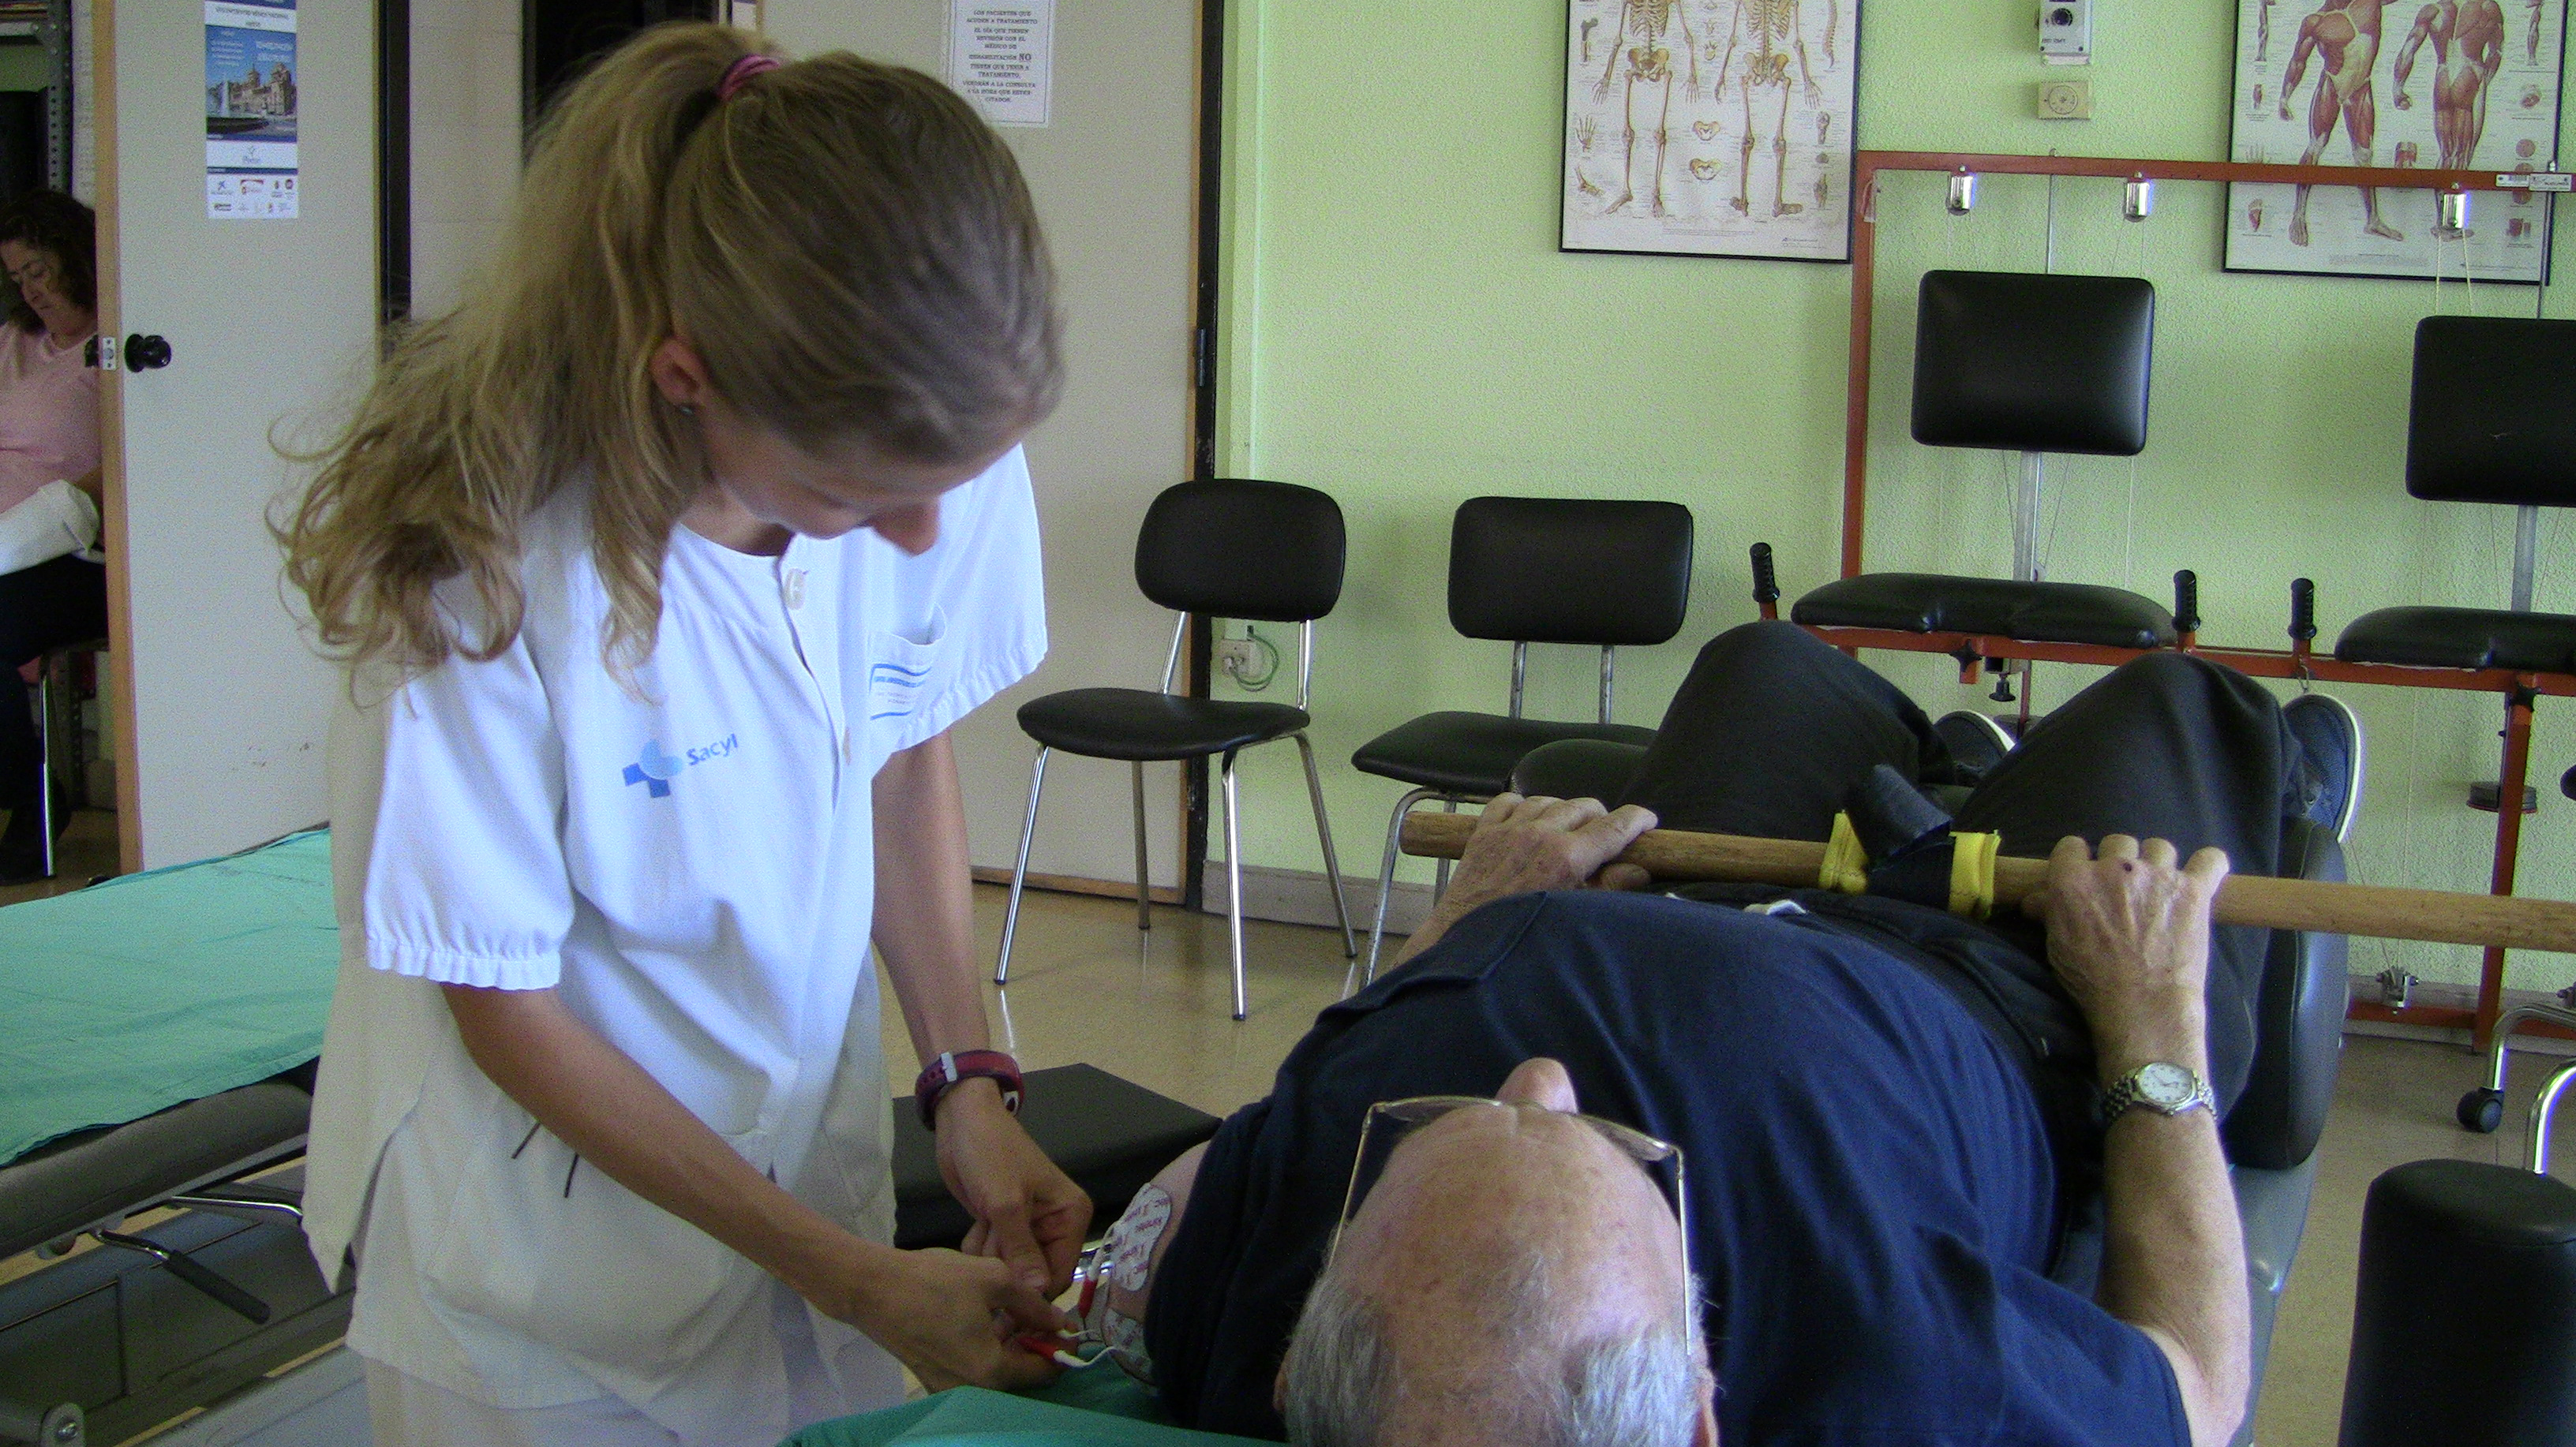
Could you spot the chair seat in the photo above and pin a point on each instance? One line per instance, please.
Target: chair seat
(2002, 607)
(1473, 753)
(1133, 723)
(2462, 638)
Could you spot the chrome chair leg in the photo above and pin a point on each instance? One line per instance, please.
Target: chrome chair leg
(2543, 1106)
(1440, 867)
(1020, 870)
(1324, 833)
(1386, 873)
(1234, 883)
(45, 758)
(1144, 899)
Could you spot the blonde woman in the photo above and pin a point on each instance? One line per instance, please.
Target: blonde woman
(663, 566)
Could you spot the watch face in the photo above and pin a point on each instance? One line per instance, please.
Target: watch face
(2164, 1086)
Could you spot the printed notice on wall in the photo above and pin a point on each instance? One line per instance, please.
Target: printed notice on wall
(1001, 56)
(250, 109)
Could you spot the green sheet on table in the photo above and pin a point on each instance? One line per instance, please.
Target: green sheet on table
(135, 995)
(1095, 1407)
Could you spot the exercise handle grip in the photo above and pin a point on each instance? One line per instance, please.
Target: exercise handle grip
(2372, 910)
(2186, 601)
(1766, 582)
(2303, 609)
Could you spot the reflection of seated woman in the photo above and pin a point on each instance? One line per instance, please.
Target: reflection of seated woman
(48, 432)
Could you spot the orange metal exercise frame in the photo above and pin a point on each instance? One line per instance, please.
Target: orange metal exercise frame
(2518, 690)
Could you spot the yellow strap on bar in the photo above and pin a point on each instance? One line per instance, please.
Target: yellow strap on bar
(1846, 866)
(1972, 873)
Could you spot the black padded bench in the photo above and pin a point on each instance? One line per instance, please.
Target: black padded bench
(1109, 1134)
(2040, 612)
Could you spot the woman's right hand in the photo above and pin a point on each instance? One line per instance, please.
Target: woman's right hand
(954, 1319)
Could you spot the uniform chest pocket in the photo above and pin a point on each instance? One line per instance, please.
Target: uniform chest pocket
(906, 673)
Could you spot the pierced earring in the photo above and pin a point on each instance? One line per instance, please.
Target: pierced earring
(686, 410)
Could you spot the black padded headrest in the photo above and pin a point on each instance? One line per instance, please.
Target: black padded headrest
(1237, 548)
(1569, 570)
(2493, 415)
(2033, 363)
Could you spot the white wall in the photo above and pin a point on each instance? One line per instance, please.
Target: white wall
(464, 142)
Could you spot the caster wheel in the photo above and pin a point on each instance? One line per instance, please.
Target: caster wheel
(2481, 1110)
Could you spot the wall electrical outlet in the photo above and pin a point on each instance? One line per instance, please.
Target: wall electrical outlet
(1236, 657)
(2066, 100)
(2066, 32)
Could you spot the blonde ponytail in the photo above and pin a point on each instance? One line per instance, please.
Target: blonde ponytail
(850, 250)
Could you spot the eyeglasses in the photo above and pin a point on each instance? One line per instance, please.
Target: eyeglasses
(1389, 1123)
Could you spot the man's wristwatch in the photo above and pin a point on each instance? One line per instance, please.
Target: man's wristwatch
(962, 1065)
(2165, 1088)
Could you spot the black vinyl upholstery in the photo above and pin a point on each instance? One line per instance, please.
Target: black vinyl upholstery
(1109, 1134)
(1131, 723)
(2298, 1025)
(75, 1182)
(2492, 415)
(1239, 548)
(2001, 607)
(1473, 753)
(2033, 363)
(1569, 570)
(2464, 1317)
(1579, 769)
(2462, 638)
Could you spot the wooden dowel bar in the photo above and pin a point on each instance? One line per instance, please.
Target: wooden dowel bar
(2377, 911)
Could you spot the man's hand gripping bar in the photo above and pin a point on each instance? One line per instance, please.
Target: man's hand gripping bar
(2376, 911)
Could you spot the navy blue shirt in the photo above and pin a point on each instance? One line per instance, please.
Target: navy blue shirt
(1871, 1188)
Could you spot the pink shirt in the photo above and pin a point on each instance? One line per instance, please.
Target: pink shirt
(48, 413)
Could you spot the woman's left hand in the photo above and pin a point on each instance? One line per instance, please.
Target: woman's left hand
(1028, 1214)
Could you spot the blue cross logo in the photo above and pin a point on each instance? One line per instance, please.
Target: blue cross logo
(655, 770)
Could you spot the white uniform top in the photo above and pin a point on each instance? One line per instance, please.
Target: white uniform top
(690, 863)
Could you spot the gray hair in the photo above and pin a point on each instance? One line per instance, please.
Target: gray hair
(1636, 1388)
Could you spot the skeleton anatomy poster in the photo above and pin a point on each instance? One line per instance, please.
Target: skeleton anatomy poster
(2462, 84)
(1710, 127)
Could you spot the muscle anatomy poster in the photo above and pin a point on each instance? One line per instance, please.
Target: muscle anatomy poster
(1710, 127)
(2456, 84)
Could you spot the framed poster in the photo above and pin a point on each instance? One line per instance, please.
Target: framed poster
(2457, 84)
(1710, 127)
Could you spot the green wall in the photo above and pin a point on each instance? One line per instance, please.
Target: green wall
(1403, 332)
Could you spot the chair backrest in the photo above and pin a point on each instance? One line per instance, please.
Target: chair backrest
(1569, 570)
(2298, 1024)
(1238, 548)
(2493, 413)
(2023, 362)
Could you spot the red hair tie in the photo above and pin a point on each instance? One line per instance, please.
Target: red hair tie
(743, 70)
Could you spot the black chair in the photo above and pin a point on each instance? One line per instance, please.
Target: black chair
(2032, 364)
(1533, 570)
(2491, 418)
(52, 666)
(2271, 1135)
(1268, 551)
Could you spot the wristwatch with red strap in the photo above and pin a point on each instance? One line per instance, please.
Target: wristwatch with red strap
(959, 1065)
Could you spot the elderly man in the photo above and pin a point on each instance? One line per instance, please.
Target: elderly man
(1847, 1169)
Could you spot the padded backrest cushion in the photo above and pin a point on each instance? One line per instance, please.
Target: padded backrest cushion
(2029, 363)
(1568, 570)
(2298, 1024)
(2493, 418)
(1237, 548)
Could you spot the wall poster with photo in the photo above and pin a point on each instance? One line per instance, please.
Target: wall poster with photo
(2450, 84)
(1710, 127)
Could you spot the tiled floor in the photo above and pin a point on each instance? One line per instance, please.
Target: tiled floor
(86, 850)
(1087, 985)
